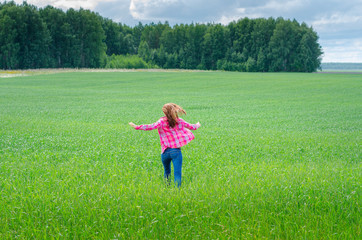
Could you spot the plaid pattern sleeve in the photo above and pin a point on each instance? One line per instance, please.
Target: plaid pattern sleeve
(188, 125)
(148, 127)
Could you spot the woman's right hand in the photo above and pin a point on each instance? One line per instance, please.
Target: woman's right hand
(132, 124)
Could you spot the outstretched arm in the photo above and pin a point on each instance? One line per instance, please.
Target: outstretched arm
(189, 125)
(146, 127)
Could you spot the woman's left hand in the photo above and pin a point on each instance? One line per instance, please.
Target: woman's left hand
(132, 124)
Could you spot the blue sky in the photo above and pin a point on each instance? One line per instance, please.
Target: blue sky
(338, 23)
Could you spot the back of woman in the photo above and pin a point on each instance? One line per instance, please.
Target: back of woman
(174, 133)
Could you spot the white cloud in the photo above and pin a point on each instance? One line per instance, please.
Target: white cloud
(181, 11)
(117, 10)
(336, 19)
(151, 9)
(88, 4)
(283, 6)
(343, 50)
(238, 13)
(265, 9)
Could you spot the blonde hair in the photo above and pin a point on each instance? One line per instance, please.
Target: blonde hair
(171, 111)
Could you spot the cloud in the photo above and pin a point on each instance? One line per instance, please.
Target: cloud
(118, 11)
(181, 11)
(337, 18)
(283, 6)
(338, 21)
(342, 50)
(153, 9)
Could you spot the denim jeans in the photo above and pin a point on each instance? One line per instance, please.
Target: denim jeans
(174, 155)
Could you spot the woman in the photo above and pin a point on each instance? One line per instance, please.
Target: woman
(174, 133)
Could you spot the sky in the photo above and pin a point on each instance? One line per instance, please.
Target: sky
(338, 23)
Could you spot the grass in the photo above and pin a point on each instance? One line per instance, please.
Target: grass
(278, 156)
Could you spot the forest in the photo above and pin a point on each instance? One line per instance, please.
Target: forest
(49, 37)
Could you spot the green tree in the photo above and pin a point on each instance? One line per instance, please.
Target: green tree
(242, 36)
(161, 56)
(152, 33)
(55, 20)
(261, 63)
(282, 45)
(144, 51)
(215, 45)
(137, 33)
(193, 47)
(112, 36)
(260, 37)
(308, 55)
(24, 37)
(49, 37)
(251, 65)
(10, 21)
(168, 40)
(127, 40)
(88, 47)
(36, 39)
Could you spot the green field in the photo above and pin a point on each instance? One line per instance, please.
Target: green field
(278, 156)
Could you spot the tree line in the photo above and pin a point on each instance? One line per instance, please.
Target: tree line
(52, 38)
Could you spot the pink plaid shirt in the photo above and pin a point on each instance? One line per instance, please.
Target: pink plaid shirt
(175, 137)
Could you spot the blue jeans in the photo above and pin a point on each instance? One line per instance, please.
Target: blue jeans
(174, 155)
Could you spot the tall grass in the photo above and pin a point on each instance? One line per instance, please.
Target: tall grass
(278, 156)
